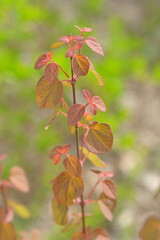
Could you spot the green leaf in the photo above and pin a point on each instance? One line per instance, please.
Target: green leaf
(48, 93)
(67, 187)
(59, 212)
(98, 137)
(93, 158)
(20, 209)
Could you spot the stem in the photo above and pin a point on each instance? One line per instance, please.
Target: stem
(77, 146)
(3, 190)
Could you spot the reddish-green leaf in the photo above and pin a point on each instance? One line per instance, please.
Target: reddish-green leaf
(100, 234)
(98, 137)
(84, 29)
(57, 44)
(107, 206)
(99, 103)
(80, 65)
(75, 113)
(93, 158)
(73, 166)
(7, 231)
(151, 229)
(93, 43)
(109, 189)
(19, 179)
(55, 154)
(67, 187)
(59, 212)
(98, 77)
(51, 72)
(48, 93)
(42, 60)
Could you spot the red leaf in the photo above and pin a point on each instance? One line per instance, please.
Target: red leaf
(98, 137)
(100, 234)
(151, 229)
(79, 45)
(48, 93)
(84, 29)
(77, 38)
(64, 39)
(103, 174)
(51, 72)
(93, 108)
(19, 179)
(94, 45)
(75, 113)
(109, 188)
(99, 103)
(107, 206)
(70, 53)
(80, 65)
(55, 154)
(87, 95)
(67, 187)
(73, 166)
(42, 60)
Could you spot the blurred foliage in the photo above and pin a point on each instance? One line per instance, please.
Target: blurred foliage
(28, 28)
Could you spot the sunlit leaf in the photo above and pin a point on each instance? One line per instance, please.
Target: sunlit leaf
(48, 93)
(59, 212)
(73, 166)
(100, 234)
(93, 158)
(98, 137)
(20, 209)
(42, 60)
(80, 65)
(67, 187)
(19, 179)
(98, 77)
(7, 231)
(75, 113)
(109, 188)
(51, 72)
(93, 43)
(57, 44)
(107, 206)
(151, 229)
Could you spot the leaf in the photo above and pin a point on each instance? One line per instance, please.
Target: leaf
(109, 189)
(67, 187)
(64, 39)
(78, 236)
(98, 137)
(19, 179)
(20, 209)
(99, 103)
(80, 65)
(59, 212)
(93, 43)
(7, 231)
(48, 93)
(100, 234)
(150, 229)
(103, 174)
(2, 214)
(2, 157)
(51, 72)
(78, 45)
(42, 60)
(69, 53)
(87, 95)
(84, 29)
(75, 113)
(57, 44)
(98, 77)
(55, 154)
(107, 206)
(93, 158)
(73, 166)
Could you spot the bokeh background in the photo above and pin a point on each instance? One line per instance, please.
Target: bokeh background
(129, 32)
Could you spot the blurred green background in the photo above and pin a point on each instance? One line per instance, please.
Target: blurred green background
(129, 32)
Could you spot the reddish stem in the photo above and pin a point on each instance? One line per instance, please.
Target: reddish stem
(92, 191)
